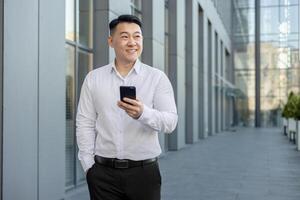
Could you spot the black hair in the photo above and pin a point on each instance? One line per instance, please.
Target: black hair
(124, 18)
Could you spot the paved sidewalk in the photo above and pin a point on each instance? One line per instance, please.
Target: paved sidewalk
(249, 164)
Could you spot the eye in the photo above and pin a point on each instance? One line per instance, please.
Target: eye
(124, 36)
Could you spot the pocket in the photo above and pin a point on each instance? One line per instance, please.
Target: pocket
(158, 172)
(89, 171)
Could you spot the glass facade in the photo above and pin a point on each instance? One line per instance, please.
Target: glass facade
(244, 60)
(79, 55)
(279, 62)
(279, 57)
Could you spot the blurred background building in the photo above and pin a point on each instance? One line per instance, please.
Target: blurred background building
(231, 63)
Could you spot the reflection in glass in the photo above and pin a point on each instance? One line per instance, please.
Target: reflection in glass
(69, 20)
(85, 26)
(70, 115)
(279, 59)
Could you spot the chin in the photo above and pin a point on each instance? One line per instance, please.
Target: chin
(132, 59)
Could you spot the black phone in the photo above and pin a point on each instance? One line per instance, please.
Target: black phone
(127, 91)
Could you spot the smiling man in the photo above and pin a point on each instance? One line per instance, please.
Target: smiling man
(118, 140)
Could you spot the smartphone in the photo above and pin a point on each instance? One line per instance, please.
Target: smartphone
(127, 91)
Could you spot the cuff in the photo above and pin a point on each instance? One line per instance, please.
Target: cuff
(87, 163)
(145, 115)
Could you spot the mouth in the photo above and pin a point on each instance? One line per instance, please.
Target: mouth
(131, 51)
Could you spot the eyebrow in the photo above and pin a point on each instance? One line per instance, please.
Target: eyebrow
(124, 32)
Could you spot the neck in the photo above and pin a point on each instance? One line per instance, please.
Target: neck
(123, 67)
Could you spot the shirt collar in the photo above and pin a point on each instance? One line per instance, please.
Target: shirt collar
(136, 67)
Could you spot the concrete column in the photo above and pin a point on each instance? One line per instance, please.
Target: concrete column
(153, 32)
(1, 90)
(209, 78)
(20, 102)
(213, 85)
(34, 100)
(192, 79)
(205, 75)
(51, 100)
(216, 81)
(201, 51)
(223, 71)
(219, 90)
(177, 68)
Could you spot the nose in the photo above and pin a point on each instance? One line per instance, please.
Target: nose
(131, 41)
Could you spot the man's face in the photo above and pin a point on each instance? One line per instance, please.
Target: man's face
(127, 40)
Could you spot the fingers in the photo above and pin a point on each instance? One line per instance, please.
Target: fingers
(131, 101)
(133, 108)
(127, 106)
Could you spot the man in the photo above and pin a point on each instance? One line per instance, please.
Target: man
(118, 141)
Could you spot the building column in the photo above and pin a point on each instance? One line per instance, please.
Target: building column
(192, 72)
(154, 39)
(201, 83)
(220, 84)
(224, 113)
(1, 93)
(213, 81)
(257, 64)
(34, 100)
(177, 69)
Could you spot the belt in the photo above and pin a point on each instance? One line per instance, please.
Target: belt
(122, 163)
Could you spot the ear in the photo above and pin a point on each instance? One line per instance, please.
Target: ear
(109, 41)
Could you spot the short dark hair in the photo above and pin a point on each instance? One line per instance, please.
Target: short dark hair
(124, 18)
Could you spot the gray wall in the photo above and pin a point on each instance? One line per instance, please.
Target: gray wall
(34, 100)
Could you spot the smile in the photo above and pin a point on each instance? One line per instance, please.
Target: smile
(131, 50)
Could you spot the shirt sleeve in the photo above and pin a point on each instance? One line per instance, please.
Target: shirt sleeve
(163, 116)
(85, 127)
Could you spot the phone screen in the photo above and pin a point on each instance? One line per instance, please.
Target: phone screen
(127, 91)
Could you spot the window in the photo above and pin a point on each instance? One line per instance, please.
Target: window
(79, 51)
(136, 8)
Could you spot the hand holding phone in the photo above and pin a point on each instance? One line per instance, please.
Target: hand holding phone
(133, 107)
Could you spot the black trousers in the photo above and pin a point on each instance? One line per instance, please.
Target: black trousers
(136, 183)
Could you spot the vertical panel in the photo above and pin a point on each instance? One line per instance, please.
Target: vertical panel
(1, 91)
(177, 68)
(209, 73)
(222, 67)
(205, 75)
(189, 73)
(195, 17)
(201, 73)
(51, 94)
(217, 60)
(20, 114)
(101, 32)
(220, 84)
(257, 63)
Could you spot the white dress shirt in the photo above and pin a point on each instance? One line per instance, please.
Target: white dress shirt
(104, 129)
